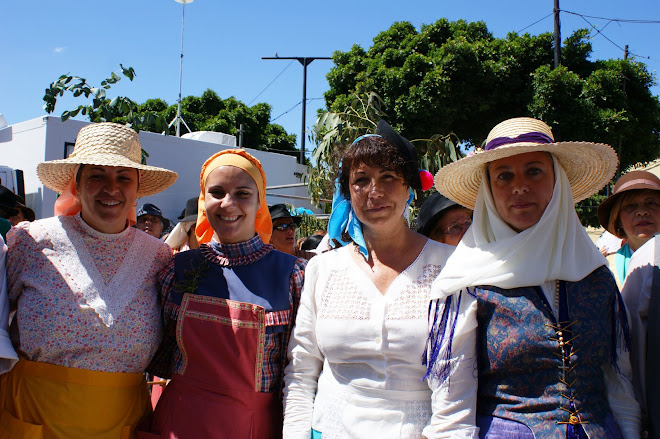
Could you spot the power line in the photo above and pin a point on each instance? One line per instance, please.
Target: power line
(271, 83)
(602, 34)
(292, 108)
(618, 20)
(537, 21)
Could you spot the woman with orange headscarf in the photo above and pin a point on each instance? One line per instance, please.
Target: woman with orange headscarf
(227, 313)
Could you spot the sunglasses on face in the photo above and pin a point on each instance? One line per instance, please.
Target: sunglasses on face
(284, 226)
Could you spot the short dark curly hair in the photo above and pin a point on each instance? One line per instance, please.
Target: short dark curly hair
(376, 152)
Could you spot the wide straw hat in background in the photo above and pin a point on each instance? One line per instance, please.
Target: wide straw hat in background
(589, 166)
(633, 180)
(106, 144)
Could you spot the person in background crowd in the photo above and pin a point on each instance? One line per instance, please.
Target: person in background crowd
(311, 242)
(84, 288)
(150, 219)
(528, 332)
(443, 220)
(8, 355)
(228, 309)
(641, 293)
(354, 367)
(24, 214)
(182, 237)
(12, 211)
(284, 229)
(632, 213)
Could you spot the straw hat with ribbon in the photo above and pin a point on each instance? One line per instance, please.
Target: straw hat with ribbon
(105, 144)
(589, 166)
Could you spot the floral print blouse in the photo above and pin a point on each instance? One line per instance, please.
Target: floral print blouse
(84, 299)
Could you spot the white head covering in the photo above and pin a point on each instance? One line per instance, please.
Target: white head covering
(178, 237)
(492, 253)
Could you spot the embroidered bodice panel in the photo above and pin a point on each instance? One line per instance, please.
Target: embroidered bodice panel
(85, 299)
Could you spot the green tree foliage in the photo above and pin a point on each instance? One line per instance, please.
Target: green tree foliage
(455, 77)
(205, 113)
(335, 131)
(209, 112)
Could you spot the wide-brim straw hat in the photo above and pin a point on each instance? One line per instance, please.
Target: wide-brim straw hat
(106, 144)
(633, 180)
(589, 166)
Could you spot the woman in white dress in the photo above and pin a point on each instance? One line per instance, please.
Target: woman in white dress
(355, 366)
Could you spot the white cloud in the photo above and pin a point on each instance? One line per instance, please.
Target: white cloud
(59, 49)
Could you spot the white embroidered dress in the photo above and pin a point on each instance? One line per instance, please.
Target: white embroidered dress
(84, 299)
(355, 356)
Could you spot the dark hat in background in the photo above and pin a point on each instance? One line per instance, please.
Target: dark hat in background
(151, 209)
(430, 212)
(10, 202)
(280, 211)
(633, 180)
(407, 149)
(190, 212)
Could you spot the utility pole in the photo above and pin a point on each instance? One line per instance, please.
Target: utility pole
(557, 35)
(618, 166)
(305, 61)
(240, 136)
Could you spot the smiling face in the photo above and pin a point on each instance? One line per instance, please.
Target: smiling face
(231, 200)
(522, 187)
(107, 194)
(378, 196)
(640, 216)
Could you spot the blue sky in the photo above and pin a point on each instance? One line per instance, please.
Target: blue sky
(225, 41)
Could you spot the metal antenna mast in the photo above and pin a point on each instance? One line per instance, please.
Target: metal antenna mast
(178, 119)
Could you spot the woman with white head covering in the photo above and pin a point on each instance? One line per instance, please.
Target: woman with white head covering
(526, 306)
(83, 285)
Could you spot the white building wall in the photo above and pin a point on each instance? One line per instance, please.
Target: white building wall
(24, 145)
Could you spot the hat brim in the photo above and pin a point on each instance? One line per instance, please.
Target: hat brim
(605, 208)
(588, 166)
(56, 174)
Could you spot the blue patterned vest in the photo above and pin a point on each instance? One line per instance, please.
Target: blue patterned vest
(543, 373)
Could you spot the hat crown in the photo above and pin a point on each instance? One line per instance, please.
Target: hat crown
(636, 180)
(517, 126)
(107, 138)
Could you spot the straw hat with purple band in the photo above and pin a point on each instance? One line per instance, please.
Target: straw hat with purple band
(106, 144)
(633, 180)
(589, 166)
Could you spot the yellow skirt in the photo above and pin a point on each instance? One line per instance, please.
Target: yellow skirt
(41, 400)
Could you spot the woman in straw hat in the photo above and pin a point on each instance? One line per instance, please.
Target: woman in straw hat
(632, 213)
(526, 306)
(228, 311)
(83, 285)
(354, 368)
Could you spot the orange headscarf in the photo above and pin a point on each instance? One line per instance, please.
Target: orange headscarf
(68, 203)
(240, 159)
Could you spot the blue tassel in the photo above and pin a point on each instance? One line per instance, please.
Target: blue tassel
(620, 331)
(439, 342)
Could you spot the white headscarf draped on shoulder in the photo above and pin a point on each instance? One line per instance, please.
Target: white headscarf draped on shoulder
(557, 247)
